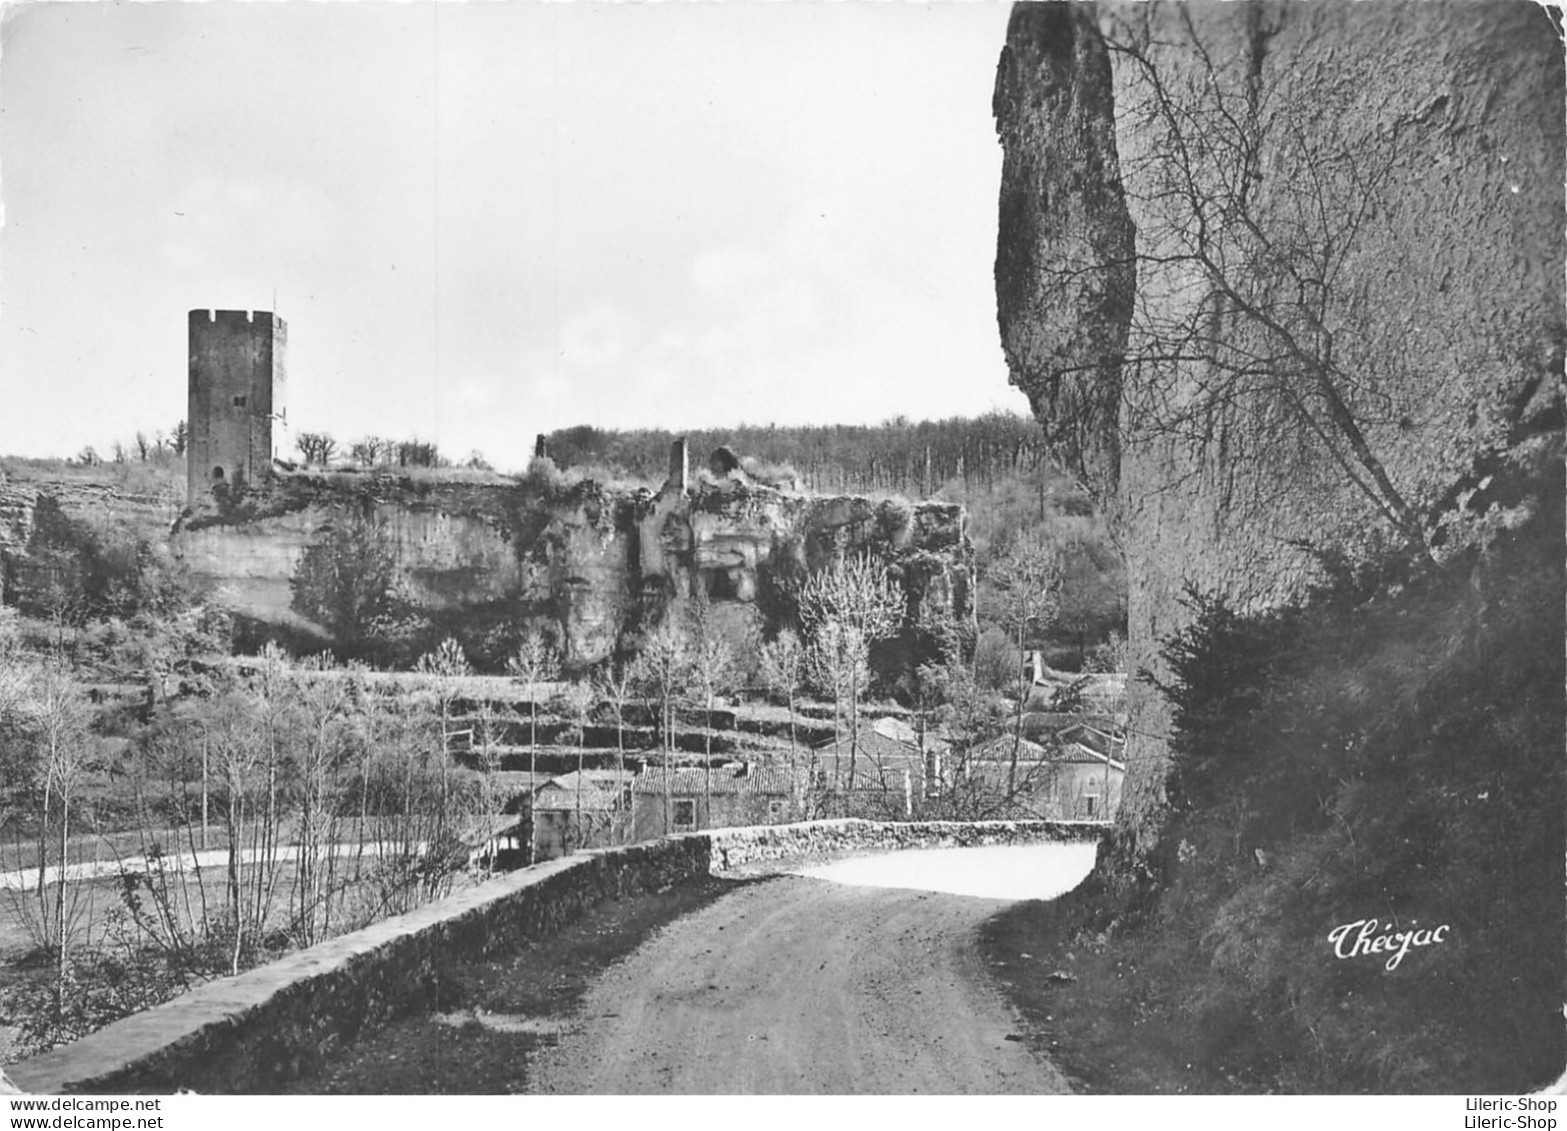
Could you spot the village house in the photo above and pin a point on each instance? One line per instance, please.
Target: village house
(582, 809)
(1075, 777)
(683, 800)
(1007, 777)
(1093, 769)
(869, 774)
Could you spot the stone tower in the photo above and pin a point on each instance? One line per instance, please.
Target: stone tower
(237, 379)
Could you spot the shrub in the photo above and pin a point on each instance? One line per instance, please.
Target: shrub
(1390, 748)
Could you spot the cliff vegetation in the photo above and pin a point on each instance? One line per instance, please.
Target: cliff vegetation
(1283, 284)
(1387, 751)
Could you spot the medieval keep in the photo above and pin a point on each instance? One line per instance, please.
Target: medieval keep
(236, 416)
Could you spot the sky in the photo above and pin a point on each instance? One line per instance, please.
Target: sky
(486, 220)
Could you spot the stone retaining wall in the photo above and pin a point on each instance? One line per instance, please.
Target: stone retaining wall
(244, 1034)
(737, 848)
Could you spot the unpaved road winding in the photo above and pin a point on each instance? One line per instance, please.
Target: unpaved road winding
(800, 985)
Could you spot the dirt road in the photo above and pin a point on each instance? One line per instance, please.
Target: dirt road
(800, 985)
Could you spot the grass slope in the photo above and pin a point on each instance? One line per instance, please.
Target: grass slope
(1391, 750)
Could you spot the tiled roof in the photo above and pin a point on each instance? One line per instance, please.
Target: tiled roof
(552, 795)
(599, 790)
(1097, 739)
(602, 779)
(516, 781)
(1078, 752)
(896, 729)
(869, 744)
(999, 749)
(1058, 722)
(689, 782)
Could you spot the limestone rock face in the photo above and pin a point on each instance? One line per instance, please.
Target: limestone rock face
(1384, 180)
(1062, 206)
(446, 560)
(16, 529)
(595, 568)
(26, 503)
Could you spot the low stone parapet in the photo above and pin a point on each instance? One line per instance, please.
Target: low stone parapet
(811, 840)
(249, 1032)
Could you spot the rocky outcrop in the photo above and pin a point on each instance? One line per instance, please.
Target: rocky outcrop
(594, 567)
(16, 531)
(450, 552)
(1283, 275)
(27, 504)
(1065, 273)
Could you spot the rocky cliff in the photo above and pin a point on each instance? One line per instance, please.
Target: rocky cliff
(593, 567)
(1283, 279)
(28, 507)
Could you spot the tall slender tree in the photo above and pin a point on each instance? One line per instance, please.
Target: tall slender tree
(1026, 584)
(579, 701)
(616, 687)
(442, 669)
(534, 664)
(712, 666)
(663, 668)
(783, 669)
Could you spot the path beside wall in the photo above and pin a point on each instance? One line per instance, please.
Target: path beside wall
(246, 1033)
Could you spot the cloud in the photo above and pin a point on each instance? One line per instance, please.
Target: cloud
(214, 222)
(593, 340)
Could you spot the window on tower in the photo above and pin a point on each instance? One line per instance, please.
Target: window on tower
(239, 402)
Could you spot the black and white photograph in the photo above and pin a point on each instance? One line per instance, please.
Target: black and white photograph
(734, 548)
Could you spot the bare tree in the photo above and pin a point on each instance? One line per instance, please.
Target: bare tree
(534, 663)
(56, 717)
(315, 447)
(442, 669)
(418, 453)
(712, 671)
(579, 700)
(400, 742)
(663, 668)
(783, 669)
(1026, 583)
(616, 688)
(486, 750)
(272, 697)
(169, 918)
(1247, 220)
(846, 608)
(319, 740)
(235, 754)
(368, 451)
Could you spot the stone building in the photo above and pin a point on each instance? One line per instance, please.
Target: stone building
(688, 800)
(236, 408)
